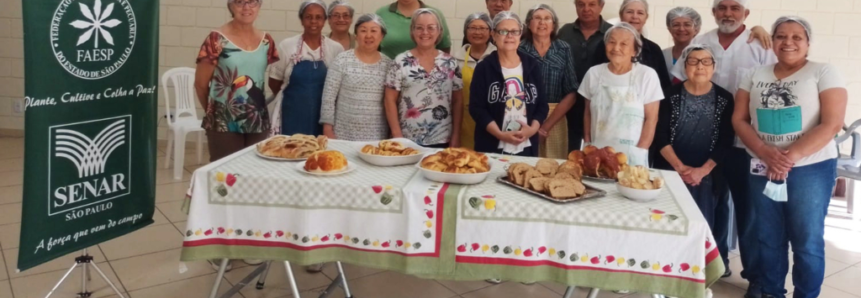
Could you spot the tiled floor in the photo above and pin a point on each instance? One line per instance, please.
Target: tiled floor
(146, 263)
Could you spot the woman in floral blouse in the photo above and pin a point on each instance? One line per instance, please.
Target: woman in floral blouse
(423, 97)
(229, 81)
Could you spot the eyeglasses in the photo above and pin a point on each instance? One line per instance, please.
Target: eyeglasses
(695, 61)
(431, 28)
(509, 32)
(341, 16)
(246, 3)
(477, 29)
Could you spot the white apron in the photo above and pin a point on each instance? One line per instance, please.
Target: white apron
(617, 121)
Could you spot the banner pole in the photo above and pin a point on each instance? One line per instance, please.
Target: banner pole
(84, 261)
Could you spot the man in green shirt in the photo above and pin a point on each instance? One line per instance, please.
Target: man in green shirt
(583, 35)
(398, 17)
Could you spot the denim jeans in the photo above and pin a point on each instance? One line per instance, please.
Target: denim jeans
(722, 214)
(800, 221)
(736, 172)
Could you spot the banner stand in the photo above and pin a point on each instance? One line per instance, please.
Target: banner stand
(84, 261)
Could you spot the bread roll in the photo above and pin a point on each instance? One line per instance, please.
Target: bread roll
(326, 162)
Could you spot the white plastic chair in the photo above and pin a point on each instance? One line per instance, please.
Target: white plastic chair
(849, 166)
(182, 119)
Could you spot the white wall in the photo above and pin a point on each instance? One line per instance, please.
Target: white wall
(185, 23)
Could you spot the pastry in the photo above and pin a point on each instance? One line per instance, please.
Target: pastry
(565, 188)
(602, 163)
(295, 146)
(389, 148)
(456, 161)
(572, 168)
(638, 178)
(326, 162)
(529, 175)
(547, 166)
(537, 184)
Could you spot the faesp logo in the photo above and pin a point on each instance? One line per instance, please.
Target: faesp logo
(89, 164)
(92, 41)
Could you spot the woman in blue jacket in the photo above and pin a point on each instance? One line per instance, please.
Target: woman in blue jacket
(507, 98)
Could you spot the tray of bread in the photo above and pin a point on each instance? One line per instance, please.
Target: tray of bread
(601, 165)
(291, 148)
(326, 163)
(455, 165)
(551, 181)
(393, 152)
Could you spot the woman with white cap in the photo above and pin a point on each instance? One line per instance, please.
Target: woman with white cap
(477, 45)
(787, 115)
(340, 15)
(353, 97)
(423, 88)
(622, 97)
(298, 79)
(684, 24)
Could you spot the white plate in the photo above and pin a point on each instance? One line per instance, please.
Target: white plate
(452, 177)
(639, 195)
(350, 167)
(389, 161)
(278, 158)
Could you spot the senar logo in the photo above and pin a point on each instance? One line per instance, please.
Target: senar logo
(89, 164)
(91, 40)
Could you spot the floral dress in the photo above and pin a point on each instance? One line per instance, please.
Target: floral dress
(236, 93)
(424, 106)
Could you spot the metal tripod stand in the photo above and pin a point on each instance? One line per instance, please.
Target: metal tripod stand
(84, 261)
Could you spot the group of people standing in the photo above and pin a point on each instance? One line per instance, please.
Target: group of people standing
(739, 113)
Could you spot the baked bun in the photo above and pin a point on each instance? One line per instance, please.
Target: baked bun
(326, 162)
(547, 166)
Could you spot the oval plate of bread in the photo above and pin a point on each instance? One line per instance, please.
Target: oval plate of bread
(387, 153)
(326, 163)
(291, 148)
(601, 165)
(551, 181)
(455, 165)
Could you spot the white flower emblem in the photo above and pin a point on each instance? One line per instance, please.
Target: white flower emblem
(96, 23)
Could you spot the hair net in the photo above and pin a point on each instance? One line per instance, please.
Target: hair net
(628, 2)
(743, 3)
(429, 11)
(337, 3)
(506, 15)
(697, 47)
(794, 19)
(684, 12)
(307, 3)
(483, 16)
(527, 34)
(371, 17)
(638, 41)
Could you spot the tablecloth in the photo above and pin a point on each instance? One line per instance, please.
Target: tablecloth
(391, 218)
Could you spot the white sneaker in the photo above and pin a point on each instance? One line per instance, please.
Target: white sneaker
(622, 292)
(252, 262)
(216, 264)
(495, 281)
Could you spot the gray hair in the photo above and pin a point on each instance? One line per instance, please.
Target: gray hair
(304, 5)
(337, 3)
(684, 12)
(429, 11)
(527, 34)
(483, 16)
(503, 16)
(370, 17)
(793, 19)
(638, 41)
(628, 2)
(697, 47)
(743, 3)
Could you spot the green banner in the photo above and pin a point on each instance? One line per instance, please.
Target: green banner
(91, 69)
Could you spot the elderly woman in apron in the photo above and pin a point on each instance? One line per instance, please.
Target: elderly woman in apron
(300, 77)
(622, 98)
(476, 46)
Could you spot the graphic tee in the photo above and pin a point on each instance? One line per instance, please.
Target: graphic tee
(515, 107)
(782, 111)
